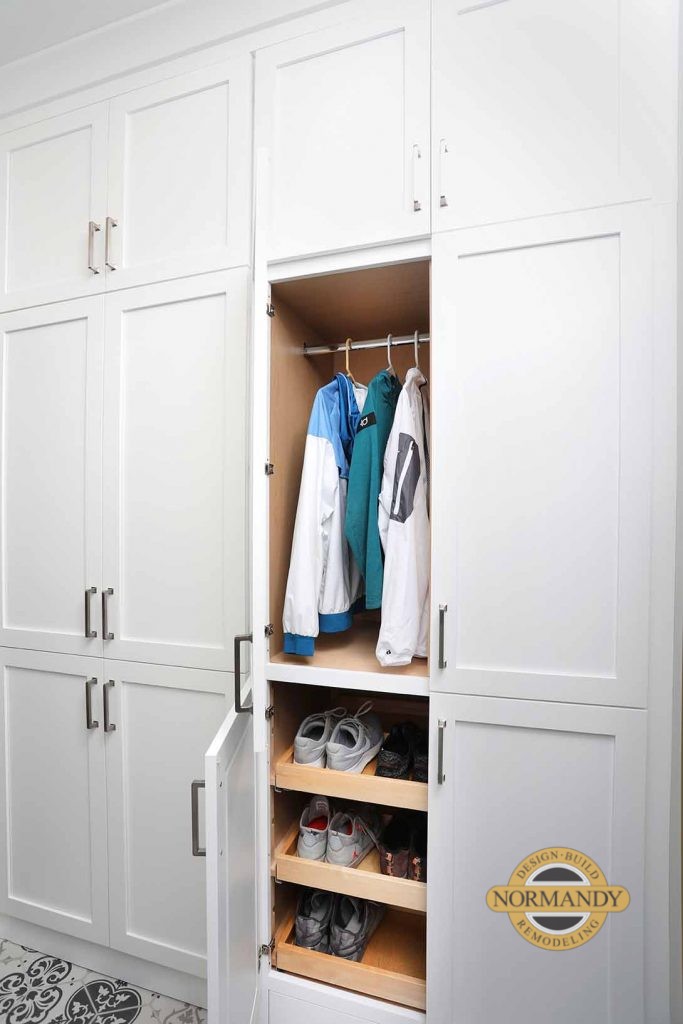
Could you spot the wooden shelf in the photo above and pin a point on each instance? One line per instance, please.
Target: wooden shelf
(365, 787)
(393, 967)
(366, 881)
(348, 660)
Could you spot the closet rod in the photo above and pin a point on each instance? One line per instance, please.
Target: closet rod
(408, 339)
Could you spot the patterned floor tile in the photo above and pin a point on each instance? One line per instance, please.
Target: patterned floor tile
(40, 989)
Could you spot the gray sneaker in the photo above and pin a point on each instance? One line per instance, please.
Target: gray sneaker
(353, 923)
(311, 740)
(312, 843)
(313, 917)
(352, 834)
(355, 741)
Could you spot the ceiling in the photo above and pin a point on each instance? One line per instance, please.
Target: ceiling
(27, 26)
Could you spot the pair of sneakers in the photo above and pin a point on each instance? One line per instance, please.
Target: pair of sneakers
(331, 923)
(344, 838)
(335, 739)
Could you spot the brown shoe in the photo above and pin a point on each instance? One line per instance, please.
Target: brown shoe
(417, 867)
(394, 848)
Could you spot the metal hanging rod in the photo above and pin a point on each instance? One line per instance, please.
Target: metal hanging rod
(408, 339)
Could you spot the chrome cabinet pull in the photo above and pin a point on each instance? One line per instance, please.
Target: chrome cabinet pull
(90, 633)
(110, 224)
(443, 152)
(105, 613)
(417, 155)
(90, 722)
(92, 229)
(443, 608)
(440, 776)
(108, 724)
(239, 640)
(197, 850)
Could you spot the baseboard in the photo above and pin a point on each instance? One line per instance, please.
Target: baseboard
(163, 980)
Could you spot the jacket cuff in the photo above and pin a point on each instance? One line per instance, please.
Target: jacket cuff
(297, 644)
(336, 622)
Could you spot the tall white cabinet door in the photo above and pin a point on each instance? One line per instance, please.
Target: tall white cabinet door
(51, 477)
(231, 866)
(521, 777)
(545, 107)
(179, 176)
(175, 471)
(53, 184)
(161, 722)
(543, 383)
(53, 805)
(345, 115)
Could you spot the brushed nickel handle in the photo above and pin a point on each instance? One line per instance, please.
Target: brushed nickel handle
(90, 722)
(197, 850)
(92, 229)
(90, 633)
(443, 608)
(443, 152)
(243, 638)
(440, 776)
(110, 224)
(105, 613)
(108, 724)
(417, 155)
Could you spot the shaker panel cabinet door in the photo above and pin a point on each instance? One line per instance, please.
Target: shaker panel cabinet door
(345, 115)
(565, 783)
(544, 376)
(542, 107)
(179, 172)
(53, 804)
(175, 471)
(161, 722)
(53, 182)
(51, 477)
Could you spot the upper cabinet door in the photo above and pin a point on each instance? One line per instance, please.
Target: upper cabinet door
(175, 471)
(179, 173)
(521, 778)
(53, 184)
(51, 477)
(545, 372)
(543, 106)
(345, 115)
(53, 800)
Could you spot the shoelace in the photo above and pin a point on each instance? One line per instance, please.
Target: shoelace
(336, 712)
(363, 709)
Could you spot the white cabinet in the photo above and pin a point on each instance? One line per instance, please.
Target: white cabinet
(345, 115)
(53, 803)
(544, 384)
(53, 182)
(175, 474)
(179, 173)
(165, 719)
(51, 458)
(521, 777)
(544, 107)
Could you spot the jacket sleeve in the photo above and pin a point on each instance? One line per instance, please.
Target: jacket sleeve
(385, 494)
(310, 546)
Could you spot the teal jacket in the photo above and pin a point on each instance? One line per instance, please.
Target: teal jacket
(365, 482)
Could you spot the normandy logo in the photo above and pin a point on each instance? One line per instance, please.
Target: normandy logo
(557, 899)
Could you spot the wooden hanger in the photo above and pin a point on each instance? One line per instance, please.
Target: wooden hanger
(347, 346)
(390, 365)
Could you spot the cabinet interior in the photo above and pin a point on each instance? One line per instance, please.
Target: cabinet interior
(325, 310)
(394, 964)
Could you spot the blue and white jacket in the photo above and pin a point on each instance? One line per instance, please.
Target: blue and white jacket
(324, 583)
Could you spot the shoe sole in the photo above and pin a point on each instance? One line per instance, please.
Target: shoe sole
(365, 760)
(318, 763)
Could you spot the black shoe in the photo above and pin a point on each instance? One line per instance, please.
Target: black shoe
(417, 867)
(421, 757)
(395, 759)
(395, 847)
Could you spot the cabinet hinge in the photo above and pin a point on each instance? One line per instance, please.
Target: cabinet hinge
(269, 629)
(270, 309)
(270, 468)
(266, 950)
(270, 711)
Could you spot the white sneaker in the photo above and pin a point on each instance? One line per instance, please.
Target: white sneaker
(352, 834)
(312, 843)
(311, 740)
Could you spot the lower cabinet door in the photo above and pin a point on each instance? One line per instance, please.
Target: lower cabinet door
(160, 721)
(536, 818)
(53, 810)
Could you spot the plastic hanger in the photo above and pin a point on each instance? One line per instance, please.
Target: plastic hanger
(390, 365)
(347, 346)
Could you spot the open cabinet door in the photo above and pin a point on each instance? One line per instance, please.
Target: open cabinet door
(231, 871)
